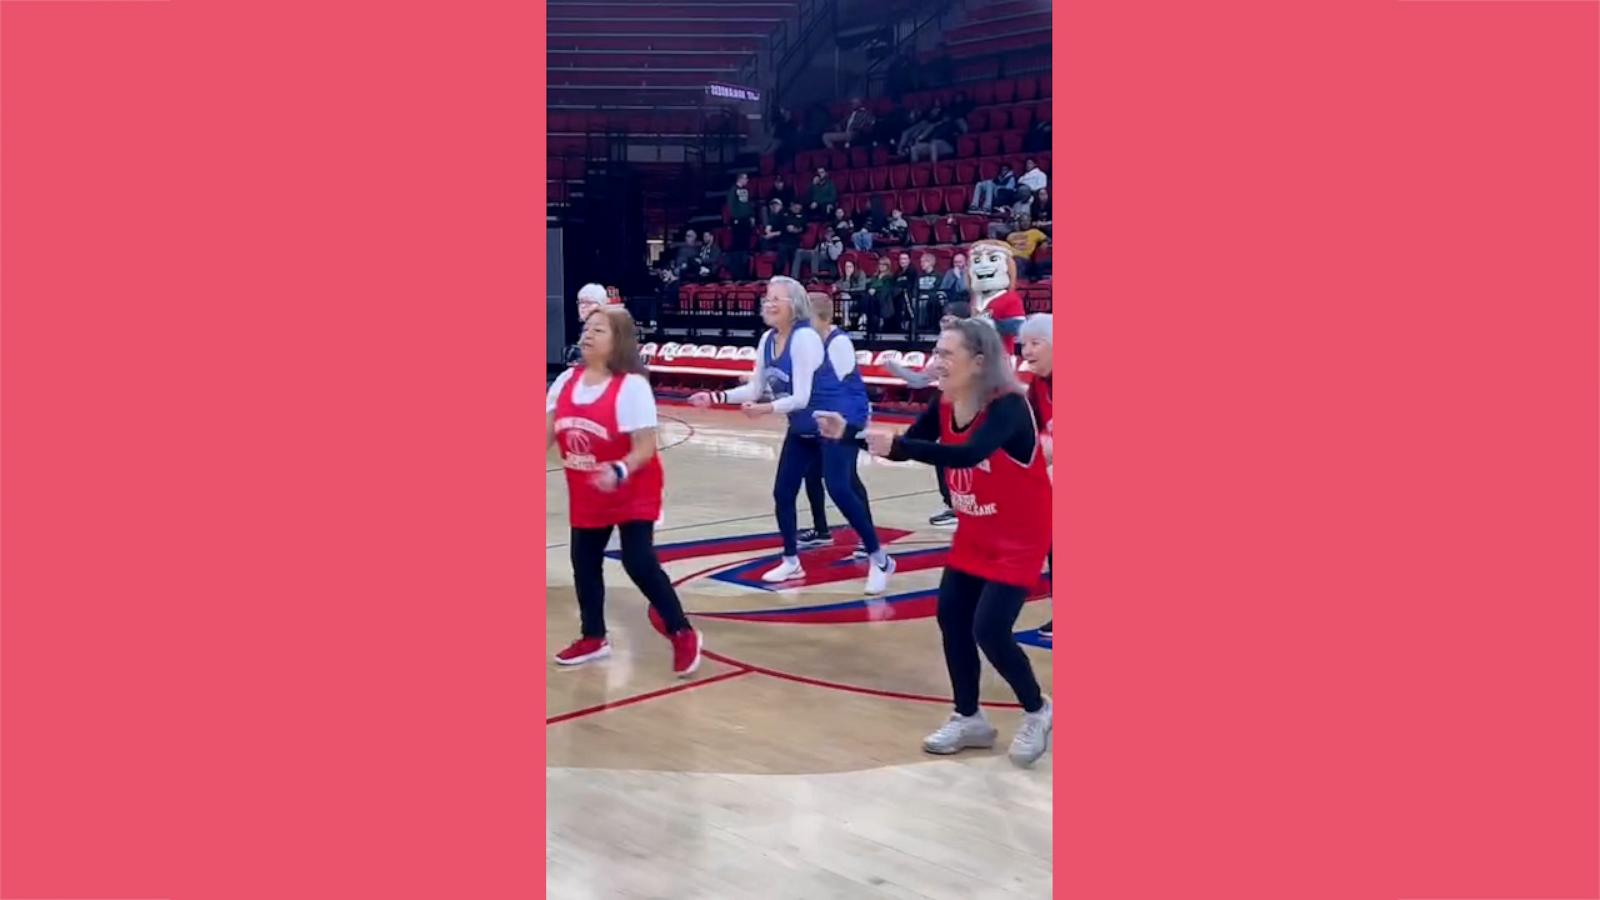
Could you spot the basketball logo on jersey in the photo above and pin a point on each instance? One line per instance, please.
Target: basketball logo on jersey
(577, 446)
(962, 499)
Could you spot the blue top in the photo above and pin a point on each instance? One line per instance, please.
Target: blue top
(846, 396)
(778, 369)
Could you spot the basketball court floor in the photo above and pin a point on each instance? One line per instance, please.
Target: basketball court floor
(790, 765)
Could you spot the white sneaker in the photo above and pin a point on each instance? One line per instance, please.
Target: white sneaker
(960, 733)
(1033, 737)
(788, 570)
(878, 577)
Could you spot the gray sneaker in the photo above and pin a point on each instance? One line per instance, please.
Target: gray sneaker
(961, 733)
(1033, 736)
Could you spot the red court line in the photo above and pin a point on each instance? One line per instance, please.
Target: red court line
(649, 695)
(854, 689)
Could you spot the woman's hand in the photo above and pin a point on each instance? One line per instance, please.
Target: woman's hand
(879, 442)
(606, 479)
(831, 425)
(700, 400)
(757, 410)
(1048, 445)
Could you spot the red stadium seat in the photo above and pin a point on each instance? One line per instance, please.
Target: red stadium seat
(921, 174)
(858, 180)
(769, 164)
(945, 257)
(967, 145)
(944, 173)
(956, 197)
(999, 119)
(878, 178)
(921, 231)
(989, 144)
(1011, 142)
(983, 94)
(1022, 117)
(966, 172)
(988, 169)
(970, 228)
(1043, 159)
(765, 265)
(1005, 91)
(838, 159)
(944, 231)
(880, 156)
(1027, 88)
(860, 157)
(978, 120)
(1044, 87)
(899, 177)
(813, 235)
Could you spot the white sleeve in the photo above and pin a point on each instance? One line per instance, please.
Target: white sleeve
(636, 405)
(805, 349)
(556, 388)
(842, 355)
(750, 391)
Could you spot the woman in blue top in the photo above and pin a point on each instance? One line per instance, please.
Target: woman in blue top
(806, 378)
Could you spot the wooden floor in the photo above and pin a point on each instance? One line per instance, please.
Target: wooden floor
(790, 765)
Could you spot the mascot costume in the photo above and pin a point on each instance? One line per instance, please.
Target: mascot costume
(992, 277)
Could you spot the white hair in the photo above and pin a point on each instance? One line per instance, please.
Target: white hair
(592, 293)
(1036, 327)
(795, 293)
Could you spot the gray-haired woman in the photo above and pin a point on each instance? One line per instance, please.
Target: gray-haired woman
(982, 432)
(809, 381)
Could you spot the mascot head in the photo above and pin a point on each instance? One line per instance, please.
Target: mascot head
(991, 268)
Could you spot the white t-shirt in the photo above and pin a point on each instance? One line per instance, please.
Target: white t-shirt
(1034, 179)
(636, 402)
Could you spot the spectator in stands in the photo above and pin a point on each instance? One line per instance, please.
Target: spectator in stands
(666, 297)
(960, 108)
(880, 308)
(823, 259)
(905, 290)
(996, 191)
(1021, 206)
(851, 292)
(742, 222)
(939, 138)
(1032, 176)
(824, 196)
(896, 229)
(1041, 210)
(785, 134)
(855, 126)
(781, 191)
(793, 227)
(688, 252)
(916, 124)
(887, 129)
(1024, 243)
(708, 263)
(861, 239)
(928, 307)
(772, 225)
(954, 283)
(842, 224)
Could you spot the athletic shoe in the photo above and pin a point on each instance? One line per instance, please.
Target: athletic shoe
(878, 576)
(961, 733)
(811, 539)
(945, 519)
(1033, 737)
(788, 570)
(686, 646)
(1045, 629)
(860, 552)
(583, 650)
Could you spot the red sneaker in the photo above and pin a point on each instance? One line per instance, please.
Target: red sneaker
(583, 650)
(685, 652)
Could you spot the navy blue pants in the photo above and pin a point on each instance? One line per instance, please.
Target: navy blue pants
(819, 500)
(838, 459)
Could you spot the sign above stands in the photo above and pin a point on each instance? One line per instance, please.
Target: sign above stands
(733, 92)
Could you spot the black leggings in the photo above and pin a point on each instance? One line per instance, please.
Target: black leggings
(819, 500)
(944, 489)
(975, 613)
(638, 560)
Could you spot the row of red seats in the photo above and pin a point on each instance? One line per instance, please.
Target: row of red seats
(906, 176)
(988, 93)
(745, 297)
(967, 146)
(959, 228)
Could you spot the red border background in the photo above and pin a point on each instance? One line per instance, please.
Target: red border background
(271, 298)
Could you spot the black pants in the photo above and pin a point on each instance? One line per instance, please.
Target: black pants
(974, 614)
(638, 560)
(814, 489)
(944, 489)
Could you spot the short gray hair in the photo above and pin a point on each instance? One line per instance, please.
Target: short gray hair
(795, 293)
(1037, 327)
(981, 338)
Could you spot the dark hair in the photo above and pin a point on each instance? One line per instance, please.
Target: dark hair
(624, 358)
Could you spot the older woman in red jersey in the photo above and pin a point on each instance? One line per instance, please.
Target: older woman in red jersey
(982, 432)
(1038, 368)
(602, 416)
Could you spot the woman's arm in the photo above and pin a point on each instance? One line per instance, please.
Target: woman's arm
(1006, 424)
